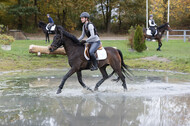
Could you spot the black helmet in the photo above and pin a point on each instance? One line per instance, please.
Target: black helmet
(85, 14)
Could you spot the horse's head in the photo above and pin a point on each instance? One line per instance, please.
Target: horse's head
(57, 40)
(41, 24)
(168, 27)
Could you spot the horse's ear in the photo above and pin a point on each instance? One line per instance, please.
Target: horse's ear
(56, 30)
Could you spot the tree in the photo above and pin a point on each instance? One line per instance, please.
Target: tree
(139, 41)
(65, 12)
(130, 13)
(106, 7)
(179, 11)
(21, 9)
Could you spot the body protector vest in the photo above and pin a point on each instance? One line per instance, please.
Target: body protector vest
(87, 32)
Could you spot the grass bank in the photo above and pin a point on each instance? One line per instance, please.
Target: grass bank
(176, 51)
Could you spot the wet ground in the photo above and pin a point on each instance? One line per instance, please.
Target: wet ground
(154, 98)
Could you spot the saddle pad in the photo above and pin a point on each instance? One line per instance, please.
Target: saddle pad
(52, 28)
(101, 54)
(148, 32)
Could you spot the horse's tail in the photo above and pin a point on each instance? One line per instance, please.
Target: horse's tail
(125, 68)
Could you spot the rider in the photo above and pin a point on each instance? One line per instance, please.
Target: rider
(152, 25)
(93, 38)
(51, 22)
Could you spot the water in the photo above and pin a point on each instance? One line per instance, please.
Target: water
(154, 98)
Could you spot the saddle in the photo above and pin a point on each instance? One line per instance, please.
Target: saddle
(52, 28)
(148, 32)
(100, 54)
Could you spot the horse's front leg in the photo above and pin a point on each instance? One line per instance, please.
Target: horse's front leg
(105, 76)
(159, 45)
(71, 71)
(46, 37)
(79, 76)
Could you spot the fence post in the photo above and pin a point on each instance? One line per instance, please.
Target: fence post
(167, 36)
(184, 35)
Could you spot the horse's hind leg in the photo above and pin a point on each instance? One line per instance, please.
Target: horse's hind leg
(117, 70)
(79, 76)
(122, 77)
(105, 76)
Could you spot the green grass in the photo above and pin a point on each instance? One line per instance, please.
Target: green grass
(176, 51)
(20, 58)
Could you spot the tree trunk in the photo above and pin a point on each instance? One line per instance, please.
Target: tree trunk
(165, 11)
(103, 12)
(19, 18)
(108, 15)
(64, 18)
(45, 50)
(35, 16)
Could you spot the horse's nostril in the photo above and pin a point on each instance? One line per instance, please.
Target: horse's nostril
(50, 49)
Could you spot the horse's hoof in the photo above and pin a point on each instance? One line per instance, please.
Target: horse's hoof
(58, 91)
(95, 89)
(90, 89)
(158, 49)
(125, 89)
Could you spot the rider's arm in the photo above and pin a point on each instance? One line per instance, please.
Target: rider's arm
(92, 35)
(83, 34)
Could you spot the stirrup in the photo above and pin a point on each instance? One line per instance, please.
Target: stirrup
(93, 68)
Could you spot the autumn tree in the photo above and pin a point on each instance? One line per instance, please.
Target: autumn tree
(179, 11)
(106, 7)
(21, 9)
(65, 12)
(129, 13)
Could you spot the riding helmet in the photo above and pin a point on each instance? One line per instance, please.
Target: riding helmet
(85, 14)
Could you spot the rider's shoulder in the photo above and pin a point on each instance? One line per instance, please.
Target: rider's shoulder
(90, 25)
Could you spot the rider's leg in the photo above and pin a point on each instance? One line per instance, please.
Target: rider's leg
(152, 30)
(93, 48)
(50, 25)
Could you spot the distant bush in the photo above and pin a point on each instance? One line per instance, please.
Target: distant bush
(139, 41)
(2, 28)
(131, 37)
(6, 40)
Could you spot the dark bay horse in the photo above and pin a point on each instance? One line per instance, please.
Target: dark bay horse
(75, 52)
(43, 25)
(160, 31)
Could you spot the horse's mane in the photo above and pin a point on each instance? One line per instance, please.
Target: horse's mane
(41, 23)
(162, 26)
(67, 34)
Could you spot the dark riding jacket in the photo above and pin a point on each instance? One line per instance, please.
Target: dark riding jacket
(50, 20)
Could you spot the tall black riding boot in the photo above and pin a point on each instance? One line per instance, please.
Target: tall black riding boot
(94, 64)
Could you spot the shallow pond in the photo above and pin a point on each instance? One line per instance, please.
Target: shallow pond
(154, 98)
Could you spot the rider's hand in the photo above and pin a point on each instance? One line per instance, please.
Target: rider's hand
(83, 41)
